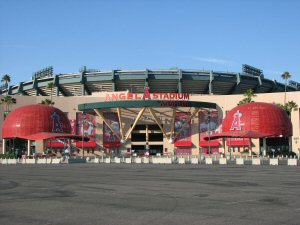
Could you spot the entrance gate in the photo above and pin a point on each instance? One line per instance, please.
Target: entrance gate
(147, 138)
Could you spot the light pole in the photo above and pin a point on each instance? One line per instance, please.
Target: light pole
(82, 119)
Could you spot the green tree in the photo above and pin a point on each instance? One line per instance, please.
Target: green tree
(286, 75)
(288, 107)
(47, 101)
(249, 95)
(6, 79)
(7, 101)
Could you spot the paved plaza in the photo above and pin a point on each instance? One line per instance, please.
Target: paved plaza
(112, 194)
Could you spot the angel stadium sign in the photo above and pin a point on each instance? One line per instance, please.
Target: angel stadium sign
(147, 96)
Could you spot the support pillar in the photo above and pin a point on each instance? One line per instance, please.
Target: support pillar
(224, 147)
(264, 147)
(290, 144)
(250, 148)
(4, 146)
(28, 147)
(230, 149)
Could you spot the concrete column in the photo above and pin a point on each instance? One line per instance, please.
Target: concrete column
(264, 146)
(224, 147)
(290, 144)
(3, 146)
(250, 148)
(28, 147)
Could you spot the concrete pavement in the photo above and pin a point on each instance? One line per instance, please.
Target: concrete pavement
(112, 194)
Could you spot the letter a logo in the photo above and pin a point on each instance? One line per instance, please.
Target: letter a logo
(56, 123)
(147, 93)
(236, 124)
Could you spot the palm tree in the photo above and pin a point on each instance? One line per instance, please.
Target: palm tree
(286, 75)
(7, 101)
(6, 79)
(47, 101)
(288, 107)
(50, 86)
(249, 94)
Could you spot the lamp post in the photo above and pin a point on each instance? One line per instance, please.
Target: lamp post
(82, 119)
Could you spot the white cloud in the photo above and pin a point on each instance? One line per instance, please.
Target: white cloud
(201, 59)
(210, 60)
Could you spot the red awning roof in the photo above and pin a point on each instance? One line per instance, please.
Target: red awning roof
(50, 135)
(209, 143)
(238, 142)
(55, 144)
(88, 144)
(111, 144)
(183, 143)
(239, 134)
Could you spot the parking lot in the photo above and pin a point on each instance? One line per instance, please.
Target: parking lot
(132, 194)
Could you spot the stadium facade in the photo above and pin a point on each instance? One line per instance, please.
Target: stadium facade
(155, 111)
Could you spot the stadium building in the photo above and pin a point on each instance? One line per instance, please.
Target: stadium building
(154, 112)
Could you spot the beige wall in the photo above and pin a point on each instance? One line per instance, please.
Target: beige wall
(224, 103)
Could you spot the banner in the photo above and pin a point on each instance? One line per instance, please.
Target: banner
(184, 137)
(109, 138)
(57, 143)
(209, 123)
(73, 126)
(87, 124)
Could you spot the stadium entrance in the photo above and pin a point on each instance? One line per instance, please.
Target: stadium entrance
(147, 127)
(147, 139)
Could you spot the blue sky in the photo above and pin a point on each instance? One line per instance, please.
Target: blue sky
(155, 34)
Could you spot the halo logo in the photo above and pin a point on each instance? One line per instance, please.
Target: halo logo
(236, 123)
(56, 123)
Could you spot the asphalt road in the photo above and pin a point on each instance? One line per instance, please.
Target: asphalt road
(113, 194)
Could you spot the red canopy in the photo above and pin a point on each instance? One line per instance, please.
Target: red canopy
(87, 144)
(55, 144)
(50, 135)
(183, 144)
(238, 142)
(209, 143)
